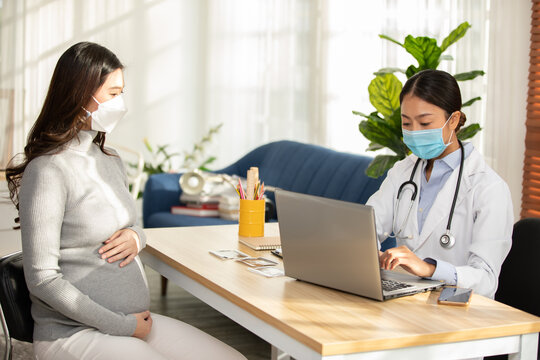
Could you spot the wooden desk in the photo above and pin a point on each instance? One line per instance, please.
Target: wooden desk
(312, 322)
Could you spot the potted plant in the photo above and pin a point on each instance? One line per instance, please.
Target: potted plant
(162, 160)
(382, 127)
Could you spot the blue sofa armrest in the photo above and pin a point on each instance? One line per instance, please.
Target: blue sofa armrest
(160, 193)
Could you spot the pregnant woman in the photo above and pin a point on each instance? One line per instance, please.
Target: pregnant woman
(88, 288)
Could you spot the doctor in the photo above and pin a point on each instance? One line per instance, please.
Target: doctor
(450, 213)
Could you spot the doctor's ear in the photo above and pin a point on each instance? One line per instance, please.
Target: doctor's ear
(454, 120)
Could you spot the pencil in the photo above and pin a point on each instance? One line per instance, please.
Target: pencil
(261, 191)
(242, 194)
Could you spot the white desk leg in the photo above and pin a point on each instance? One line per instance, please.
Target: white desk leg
(528, 348)
(278, 354)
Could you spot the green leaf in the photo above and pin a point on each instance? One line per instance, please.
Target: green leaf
(455, 35)
(386, 37)
(169, 156)
(360, 114)
(469, 75)
(216, 128)
(411, 70)
(395, 121)
(388, 70)
(210, 160)
(470, 102)
(380, 164)
(381, 132)
(374, 147)
(147, 144)
(425, 51)
(162, 149)
(384, 93)
(446, 57)
(468, 132)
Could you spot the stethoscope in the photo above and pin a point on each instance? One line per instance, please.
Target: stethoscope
(447, 240)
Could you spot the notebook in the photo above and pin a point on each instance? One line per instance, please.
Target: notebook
(261, 243)
(334, 244)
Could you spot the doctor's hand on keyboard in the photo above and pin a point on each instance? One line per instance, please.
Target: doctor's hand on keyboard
(403, 256)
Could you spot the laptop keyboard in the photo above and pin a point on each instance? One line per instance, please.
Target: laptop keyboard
(390, 285)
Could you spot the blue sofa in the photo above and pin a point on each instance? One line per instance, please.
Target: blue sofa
(288, 165)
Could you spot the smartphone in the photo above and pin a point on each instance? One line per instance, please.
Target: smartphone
(455, 296)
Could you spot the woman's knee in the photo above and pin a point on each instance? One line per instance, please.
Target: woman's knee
(171, 336)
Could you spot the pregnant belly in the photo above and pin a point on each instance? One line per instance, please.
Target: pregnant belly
(117, 289)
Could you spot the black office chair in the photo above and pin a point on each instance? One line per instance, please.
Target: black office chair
(15, 315)
(520, 274)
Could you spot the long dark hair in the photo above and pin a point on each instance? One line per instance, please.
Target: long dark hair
(438, 88)
(79, 73)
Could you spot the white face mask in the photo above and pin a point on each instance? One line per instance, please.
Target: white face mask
(108, 114)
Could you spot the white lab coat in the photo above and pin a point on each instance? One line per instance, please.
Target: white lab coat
(482, 223)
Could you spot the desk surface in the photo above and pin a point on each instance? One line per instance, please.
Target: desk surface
(328, 321)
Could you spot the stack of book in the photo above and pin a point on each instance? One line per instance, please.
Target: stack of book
(197, 205)
(229, 207)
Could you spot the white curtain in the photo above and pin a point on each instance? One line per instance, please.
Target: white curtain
(263, 73)
(508, 69)
(266, 69)
(12, 93)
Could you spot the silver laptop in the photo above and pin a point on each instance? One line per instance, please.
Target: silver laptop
(334, 244)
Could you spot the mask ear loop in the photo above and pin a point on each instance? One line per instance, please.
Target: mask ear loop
(88, 113)
(449, 142)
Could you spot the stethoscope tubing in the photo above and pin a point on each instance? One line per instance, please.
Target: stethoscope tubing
(413, 197)
(462, 160)
(450, 240)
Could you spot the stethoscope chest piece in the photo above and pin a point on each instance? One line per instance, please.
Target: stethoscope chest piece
(447, 240)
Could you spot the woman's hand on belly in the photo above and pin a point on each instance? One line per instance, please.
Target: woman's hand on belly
(403, 256)
(121, 245)
(144, 324)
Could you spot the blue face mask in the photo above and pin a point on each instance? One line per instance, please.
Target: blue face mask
(426, 144)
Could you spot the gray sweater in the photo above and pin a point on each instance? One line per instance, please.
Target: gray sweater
(69, 204)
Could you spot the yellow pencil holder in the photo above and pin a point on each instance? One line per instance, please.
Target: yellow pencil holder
(251, 219)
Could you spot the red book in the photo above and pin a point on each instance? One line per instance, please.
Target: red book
(209, 206)
(202, 212)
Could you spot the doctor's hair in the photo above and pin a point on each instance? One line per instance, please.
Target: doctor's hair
(438, 88)
(80, 72)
